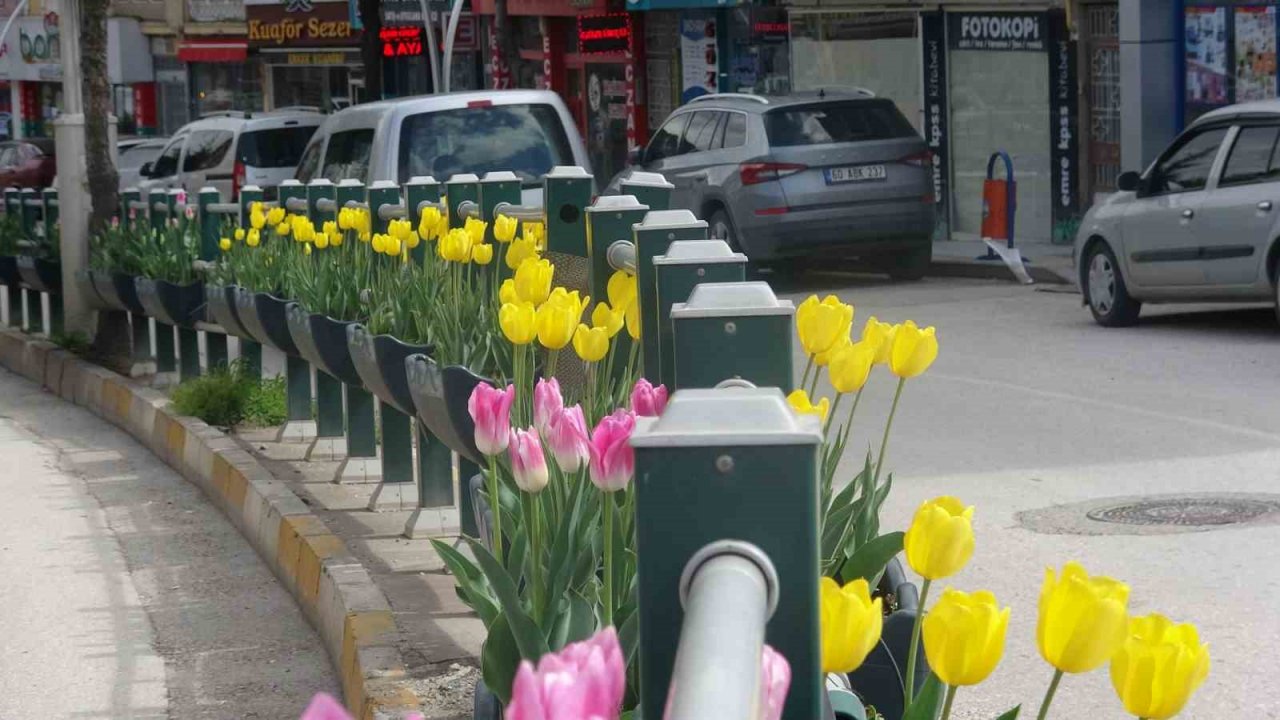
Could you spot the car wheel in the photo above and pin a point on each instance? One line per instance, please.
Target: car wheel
(911, 265)
(719, 227)
(1104, 289)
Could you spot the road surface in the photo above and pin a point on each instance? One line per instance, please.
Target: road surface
(124, 592)
(1035, 415)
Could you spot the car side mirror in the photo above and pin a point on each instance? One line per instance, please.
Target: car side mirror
(145, 170)
(1129, 181)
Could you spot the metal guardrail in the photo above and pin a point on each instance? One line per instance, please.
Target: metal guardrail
(391, 211)
(138, 205)
(622, 256)
(429, 204)
(222, 208)
(296, 204)
(326, 205)
(468, 209)
(530, 213)
(28, 202)
(729, 590)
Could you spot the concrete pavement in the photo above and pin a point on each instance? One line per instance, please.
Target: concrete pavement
(1035, 415)
(126, 594)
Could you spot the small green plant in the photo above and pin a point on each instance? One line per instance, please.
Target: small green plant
(76, 342)
(229, 396)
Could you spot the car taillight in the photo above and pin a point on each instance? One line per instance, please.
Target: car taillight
(921, 159)
(480, 103)
(755, 173)
(237, 180)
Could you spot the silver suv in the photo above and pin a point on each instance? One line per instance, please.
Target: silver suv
(833, 171)
(230, 150)
(1201, 224)
(527, 132)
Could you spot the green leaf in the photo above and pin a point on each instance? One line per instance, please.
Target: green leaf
(527, 636)
(576, 622)
(629, 637)
(928, 701)
(472, 586)
(869, 560)
(499, 659)
(1011, 713)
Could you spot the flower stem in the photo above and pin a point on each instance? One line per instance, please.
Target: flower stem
(553, 358)
(808, 366)
(1048, 696)
(831, 414)
(884, 441)
(910, 682)
(496, 507)
(606, 507)
(946, 706)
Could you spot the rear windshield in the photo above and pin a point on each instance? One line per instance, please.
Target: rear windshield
(278, 148)
(526, 139)
(836, 122)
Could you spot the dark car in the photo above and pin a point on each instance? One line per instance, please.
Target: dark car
(27, 163)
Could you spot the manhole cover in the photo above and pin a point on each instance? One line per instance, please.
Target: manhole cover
(1185, 511)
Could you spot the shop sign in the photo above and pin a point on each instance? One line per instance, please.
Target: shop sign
(401, 41)
(769, 25)
(36, 41)
(1064, 132)
(997, 31)
(933, 42)
(498, 70)
(604, 33)
(331, 58)
(699, 63)
(300, 23)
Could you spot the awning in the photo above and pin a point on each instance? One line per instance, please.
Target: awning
(213, 51)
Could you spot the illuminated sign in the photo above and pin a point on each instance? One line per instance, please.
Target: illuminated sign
(604, 33)
(401, 41)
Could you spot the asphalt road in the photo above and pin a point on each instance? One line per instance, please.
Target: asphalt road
(124, 592)
(1035, 415)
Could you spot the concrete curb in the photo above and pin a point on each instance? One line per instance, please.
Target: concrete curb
(984, 270)
(330, 585)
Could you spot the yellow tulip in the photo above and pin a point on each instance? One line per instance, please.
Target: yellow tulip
(379, 243)
(335, 238)
(536, 233)
(344, 219)
(799, 400)
(224, 244)
(1083, 620)
(622, 289)
(519, 251)
(964, 636)
(518, 322)
(283, 229)
(591, 344)
(428, 222)
(442, 227)
(557, 317)
(475, 228)
(1158, 667)
(392, 245)
(940, 539)
(880, 336)
(364, 236)
(823, 359)
(328, 227)
(533, 281)
(607, 318)
(411, 240)
(275, 216)
(322, 241)
(504, 228)
(507, 292)
(257, 219)
(821, 324)
(306, 249)
(482, 254)
(239, 234)
(455, 247)
(633, 319)
(850, 367)
(914, 350)
(851, 623)
(252, 238)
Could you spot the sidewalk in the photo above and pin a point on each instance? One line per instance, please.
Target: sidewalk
(1045, 262)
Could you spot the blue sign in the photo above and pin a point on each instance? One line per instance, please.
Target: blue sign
(353, 14)
(638, 5)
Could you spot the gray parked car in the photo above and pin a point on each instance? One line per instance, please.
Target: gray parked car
(833, 171)
(1201, 224)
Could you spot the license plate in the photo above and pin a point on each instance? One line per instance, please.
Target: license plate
(855, 173)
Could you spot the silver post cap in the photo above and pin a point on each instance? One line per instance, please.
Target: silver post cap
(738, 299)
(575, 172)
(291, 182)
(648, 179)
(463, 178)
(614, 203)
(350, 182)
(670, 220)
(422, 180)
(384, 185)
(250, 188)
(498, 176)
(699, 252)
(320, 182)
(707, 417)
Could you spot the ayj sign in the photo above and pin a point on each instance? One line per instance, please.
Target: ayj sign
(1000, 31)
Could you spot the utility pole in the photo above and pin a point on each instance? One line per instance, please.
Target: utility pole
(73, 192)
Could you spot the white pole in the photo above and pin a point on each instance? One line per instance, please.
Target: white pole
(434, 55)
(448, 41)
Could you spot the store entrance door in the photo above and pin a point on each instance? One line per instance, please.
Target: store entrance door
(606, 131)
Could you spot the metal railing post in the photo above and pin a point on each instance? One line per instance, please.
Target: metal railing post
(457, 190)
(362, 463)
(495, 188)
(732, 331)
(653, 236)
(419, 189)
(250, 350)
(49, 215)
(330, 427)
(297, 372)
(566, 193)
(686, 264)
(652, 189)
(733, 463)
(608, 220)
(188, 337)
(211, 225)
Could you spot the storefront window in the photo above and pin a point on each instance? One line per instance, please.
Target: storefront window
(1230, 56)
(216, 87)
(323, 87)
(760, 57)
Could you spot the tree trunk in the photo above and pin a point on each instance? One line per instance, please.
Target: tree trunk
(371, 49)
(506, 39)
(111, 341)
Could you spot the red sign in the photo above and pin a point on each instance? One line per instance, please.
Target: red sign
(501, 75)
(604, 33)
(401, 41)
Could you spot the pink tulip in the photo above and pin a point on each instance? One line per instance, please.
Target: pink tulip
(647, 400)
(584, 681)
(613, 460)
(490, 408)
(324, 706)
(567, 436)
(115, 222)
(547, 403)
(775, 680)
(528, 464)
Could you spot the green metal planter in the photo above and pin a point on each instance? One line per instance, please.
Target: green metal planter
(220, 302)
(172, 304)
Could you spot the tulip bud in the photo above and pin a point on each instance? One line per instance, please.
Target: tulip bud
(567, 437)
(1083, 620)
(482, 254)
(547, 403)
(850, 367)
(850, 624)
(647, 400)
(799, 401)
(613, 460)
(1158, 667)
(528, 464)
(504, 228)
(964, 636)
(586, 679)
(611, 320)
(591, 344)
(940, 539)
(518, 322)
(490, 410)
(914, 350)
(239, 234)
(821, 325)
(224, 244)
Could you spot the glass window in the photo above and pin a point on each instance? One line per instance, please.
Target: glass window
(836, 122)
(348, 156)
(702, 128)
(735, 130)
(134, 157)
(666, 142)
(277, 148)
(309, 163)
(1186, 165)
(7, 155)
(206, 148)
(1251, 158)
(528, 140)
(167, 163)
